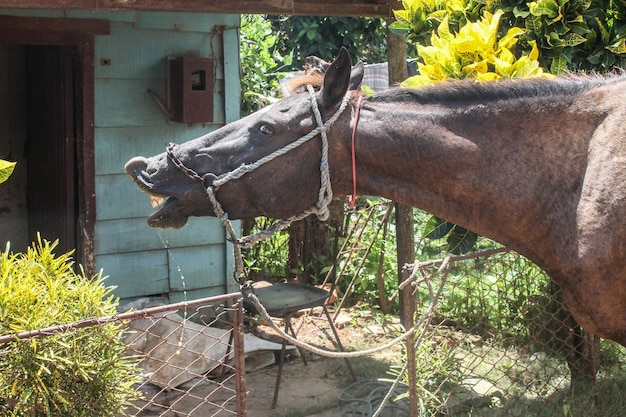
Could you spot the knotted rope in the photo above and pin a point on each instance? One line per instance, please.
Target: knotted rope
(325, 195)
(320, 208)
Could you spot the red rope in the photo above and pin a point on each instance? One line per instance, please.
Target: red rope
(352, 198)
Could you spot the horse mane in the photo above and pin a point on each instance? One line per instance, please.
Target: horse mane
(470, 91)
(294, 84)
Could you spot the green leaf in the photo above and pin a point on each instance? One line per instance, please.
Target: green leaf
(618, 47)
(573, 39)
(520, 12)
(437, 228)
(399, 28)
(559, 64)
(6, 169)
(553, 39)
(461, 241)
(549, 8)
(533, 24)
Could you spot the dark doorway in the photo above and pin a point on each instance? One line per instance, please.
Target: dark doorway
(58, 150)
(51, 144)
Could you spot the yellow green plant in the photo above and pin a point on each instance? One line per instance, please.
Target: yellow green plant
(6, 169)
(81, 372)
(416, 13)
(474, 52)
(571, 35)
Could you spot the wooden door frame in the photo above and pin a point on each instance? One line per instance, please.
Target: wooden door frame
(77, 33)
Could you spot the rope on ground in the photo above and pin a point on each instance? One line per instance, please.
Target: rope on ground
(424, 320)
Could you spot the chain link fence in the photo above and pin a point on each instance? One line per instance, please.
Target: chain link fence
(498, 347)
(191, 356)
(501, 343)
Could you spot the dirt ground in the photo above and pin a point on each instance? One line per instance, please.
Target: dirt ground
(305, 390)
(314, 389)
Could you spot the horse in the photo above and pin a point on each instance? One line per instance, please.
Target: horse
(538, 165)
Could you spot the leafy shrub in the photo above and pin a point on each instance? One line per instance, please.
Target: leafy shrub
(80, 372)
(260, 63)
(436, 366)
(302, 36)
(571, 35)
(576, 35)
(474, 52)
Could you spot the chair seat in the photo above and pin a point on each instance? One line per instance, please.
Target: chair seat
(281, 300)
(287, 298)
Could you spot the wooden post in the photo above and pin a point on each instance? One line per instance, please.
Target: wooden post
(396, 59)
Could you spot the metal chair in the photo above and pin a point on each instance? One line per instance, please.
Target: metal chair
(284, 301)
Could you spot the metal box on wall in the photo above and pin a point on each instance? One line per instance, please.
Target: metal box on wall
(191, 81)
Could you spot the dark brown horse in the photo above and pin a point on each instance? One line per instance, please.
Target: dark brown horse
(538, 165)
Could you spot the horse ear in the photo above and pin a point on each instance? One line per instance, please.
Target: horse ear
(336, 81)
(356, 75)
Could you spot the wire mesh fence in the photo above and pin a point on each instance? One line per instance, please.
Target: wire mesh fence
(499, 347)
(501, 341)
(190, 355)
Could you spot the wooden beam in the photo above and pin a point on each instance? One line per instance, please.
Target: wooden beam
(381, 8)
(83, 26)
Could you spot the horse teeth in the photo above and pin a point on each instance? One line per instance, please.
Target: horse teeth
(156, 201)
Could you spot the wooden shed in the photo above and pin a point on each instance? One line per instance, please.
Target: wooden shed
(84, 86)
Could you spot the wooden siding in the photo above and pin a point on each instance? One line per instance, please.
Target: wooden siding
(132, 59)
(380, 8)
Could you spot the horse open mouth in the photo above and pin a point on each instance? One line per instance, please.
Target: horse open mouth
(167, 214)
(168, 211)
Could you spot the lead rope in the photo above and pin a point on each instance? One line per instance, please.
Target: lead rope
(443, 270)
(320, 208)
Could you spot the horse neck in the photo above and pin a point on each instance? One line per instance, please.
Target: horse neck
(484, 167)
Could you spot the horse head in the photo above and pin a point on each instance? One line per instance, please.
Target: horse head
(288, 184)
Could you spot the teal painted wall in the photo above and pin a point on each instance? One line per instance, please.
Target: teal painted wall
(191, 262)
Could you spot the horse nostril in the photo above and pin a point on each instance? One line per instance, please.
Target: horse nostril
(137, 164)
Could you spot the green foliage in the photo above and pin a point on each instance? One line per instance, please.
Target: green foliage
(495, 295)
(476, 51)
(459, 239)
(268, 258)
(570, 35)
(260, 63)
(421, 18)
(80, 372)
(577, 35)
(370, 239)
(6, 169)
(365, 38)
(436, 366)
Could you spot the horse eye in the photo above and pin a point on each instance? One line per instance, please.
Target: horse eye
(266, 130)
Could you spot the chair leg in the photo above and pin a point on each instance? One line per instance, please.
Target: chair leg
(281, 361)
(336, 334)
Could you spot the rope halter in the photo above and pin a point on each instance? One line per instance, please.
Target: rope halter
(320, 208)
